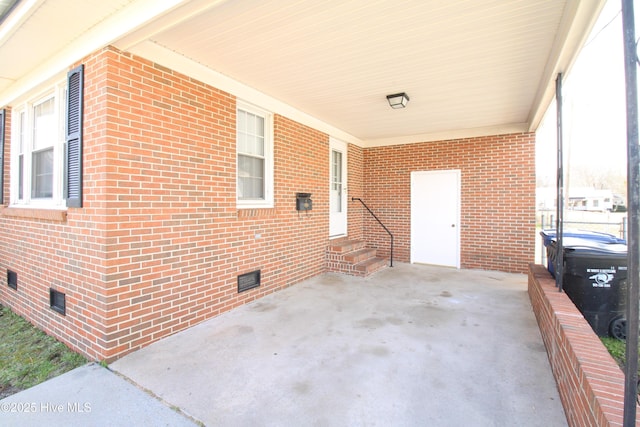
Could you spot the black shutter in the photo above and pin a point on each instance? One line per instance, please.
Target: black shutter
(73, 146)
(2, 124)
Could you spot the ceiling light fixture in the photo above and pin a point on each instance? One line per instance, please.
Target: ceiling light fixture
(398, 100)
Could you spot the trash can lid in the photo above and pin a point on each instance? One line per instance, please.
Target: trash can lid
(598, 236)
(584, 247)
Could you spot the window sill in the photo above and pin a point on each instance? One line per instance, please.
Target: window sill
(35, 213)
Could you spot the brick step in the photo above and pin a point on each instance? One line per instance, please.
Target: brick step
(370, 266)
(359, 255)
(346, 246)
(353, 257)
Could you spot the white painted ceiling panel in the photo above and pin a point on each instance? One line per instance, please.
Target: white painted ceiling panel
(467, 65)
(50, 26)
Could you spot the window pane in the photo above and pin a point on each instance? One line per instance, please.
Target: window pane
(242, 121)
(42, 174)
(258, 133)
(252, 155)
(20, 177)
(250, 177)
(23, 127)
(44, 125)
(259, 145)
(260, 126)
(250, 133)
(242, 143)
(251, 124)
(336, 165)
(255, 145)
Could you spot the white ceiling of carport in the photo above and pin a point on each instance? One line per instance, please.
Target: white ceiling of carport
(471, 67)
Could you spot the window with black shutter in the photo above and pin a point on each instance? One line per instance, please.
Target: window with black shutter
(46, 145)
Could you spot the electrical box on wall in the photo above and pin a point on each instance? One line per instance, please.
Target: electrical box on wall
(304, 202)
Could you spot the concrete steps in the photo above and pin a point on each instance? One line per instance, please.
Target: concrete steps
(354, 258)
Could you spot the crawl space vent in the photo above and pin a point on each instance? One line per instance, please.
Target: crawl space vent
(12, 279)
(248, 281)
(57, 301)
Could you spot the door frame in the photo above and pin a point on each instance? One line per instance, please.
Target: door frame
(458, 175)
(337, 145)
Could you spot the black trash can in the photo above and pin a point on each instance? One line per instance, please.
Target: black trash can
(548, 235)
(595, 279)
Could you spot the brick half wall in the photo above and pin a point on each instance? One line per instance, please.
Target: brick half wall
(590, 383)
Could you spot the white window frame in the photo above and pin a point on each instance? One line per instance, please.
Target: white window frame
(56, 201)
(267, 202)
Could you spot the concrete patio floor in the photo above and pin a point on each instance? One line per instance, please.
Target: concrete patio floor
(412, 345)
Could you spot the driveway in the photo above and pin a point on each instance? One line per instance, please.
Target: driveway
(412, 345)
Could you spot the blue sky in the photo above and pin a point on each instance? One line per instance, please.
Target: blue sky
(594, 104)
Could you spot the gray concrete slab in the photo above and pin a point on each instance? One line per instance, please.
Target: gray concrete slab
(411, 346)
(87, 396)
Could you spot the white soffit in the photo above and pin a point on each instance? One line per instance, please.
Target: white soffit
(469, 66)
(50, 35)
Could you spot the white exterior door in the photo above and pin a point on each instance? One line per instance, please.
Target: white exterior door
(338, 188)
(435, 218)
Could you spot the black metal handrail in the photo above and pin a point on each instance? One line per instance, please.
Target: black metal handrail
(379, 222)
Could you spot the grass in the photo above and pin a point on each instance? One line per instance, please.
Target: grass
(617, 349)
(28, 356)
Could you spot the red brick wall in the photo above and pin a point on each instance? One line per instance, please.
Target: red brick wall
(61, 250)
(179, 240)
(590, 383)
(159, 243)
(497, 200)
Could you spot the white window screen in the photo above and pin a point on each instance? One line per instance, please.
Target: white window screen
(44, 125)
(251, 156)
(37, 149)
(21, 139)
(44, 137)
